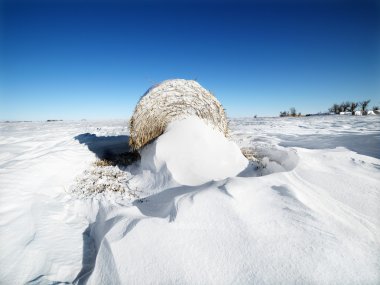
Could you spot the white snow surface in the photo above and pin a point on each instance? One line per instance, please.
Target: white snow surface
(193, 153)
(306, 212)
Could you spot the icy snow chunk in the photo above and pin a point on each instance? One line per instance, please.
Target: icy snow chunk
(193, 153)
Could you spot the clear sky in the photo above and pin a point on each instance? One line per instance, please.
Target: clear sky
(94, 59)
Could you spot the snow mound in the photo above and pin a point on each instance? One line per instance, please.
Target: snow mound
(266, 160)
(193, 153)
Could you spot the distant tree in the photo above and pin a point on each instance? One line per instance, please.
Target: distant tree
(353, 107)
(363, 106)
(344, 106)
(284, 114)
(299, 114)
(347, 106)
(335, 109)
(375, 108)
(293, 112)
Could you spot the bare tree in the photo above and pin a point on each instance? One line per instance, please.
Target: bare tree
(354, 105)
(347, 106)
(335, 109)
(293, 111)
(344, 106)
(363, 106)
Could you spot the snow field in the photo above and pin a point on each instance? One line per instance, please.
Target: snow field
(299, 214)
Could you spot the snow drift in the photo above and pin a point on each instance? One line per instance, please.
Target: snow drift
(193, 153)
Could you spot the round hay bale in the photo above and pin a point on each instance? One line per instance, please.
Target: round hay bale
(171, 100)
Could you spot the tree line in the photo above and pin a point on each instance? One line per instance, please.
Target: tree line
(347, 106)
(351, 107)
(291, 113)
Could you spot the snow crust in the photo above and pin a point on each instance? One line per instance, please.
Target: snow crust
(307, 214)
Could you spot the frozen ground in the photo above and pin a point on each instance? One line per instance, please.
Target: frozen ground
(305, 212)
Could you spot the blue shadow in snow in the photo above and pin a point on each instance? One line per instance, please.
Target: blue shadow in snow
(105, 147)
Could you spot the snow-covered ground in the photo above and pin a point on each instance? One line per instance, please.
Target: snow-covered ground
(306, 211)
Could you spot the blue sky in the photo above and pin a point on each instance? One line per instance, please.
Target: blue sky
(94, 59)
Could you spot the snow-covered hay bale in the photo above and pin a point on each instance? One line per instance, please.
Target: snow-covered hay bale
(169, 101)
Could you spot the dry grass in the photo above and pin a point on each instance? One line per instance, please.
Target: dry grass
(249, 153)
(122, 159)
(169, 100)
(103, 162)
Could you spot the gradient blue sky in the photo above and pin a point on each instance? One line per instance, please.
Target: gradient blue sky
(94, 59)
